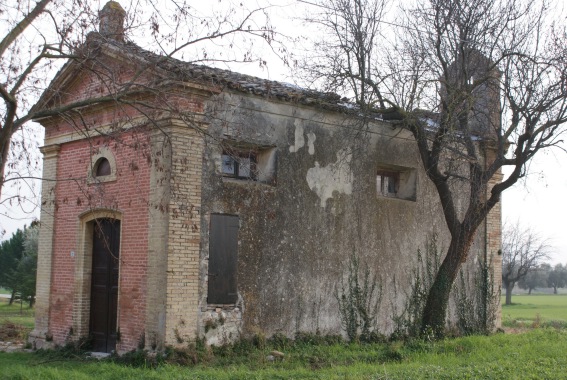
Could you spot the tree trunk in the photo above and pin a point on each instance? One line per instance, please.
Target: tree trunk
(435, 310)
(530, 291)
(555, 290)
(509, 287)
(12, 297)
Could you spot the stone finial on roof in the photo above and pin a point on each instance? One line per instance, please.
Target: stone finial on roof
(111, 21)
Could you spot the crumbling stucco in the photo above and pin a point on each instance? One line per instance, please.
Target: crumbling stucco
(301, 218)
(335, 177)
(297, 233)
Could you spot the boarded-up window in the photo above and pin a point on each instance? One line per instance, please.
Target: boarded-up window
(223, 254)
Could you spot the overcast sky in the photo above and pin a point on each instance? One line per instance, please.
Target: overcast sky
(539, 202)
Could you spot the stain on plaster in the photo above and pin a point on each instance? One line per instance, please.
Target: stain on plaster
(337, 176)
(299, 139)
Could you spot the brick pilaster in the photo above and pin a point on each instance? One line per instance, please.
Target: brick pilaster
(183, 244)
(494, 245)
(159, 198)
(494, 238)
(41, 333)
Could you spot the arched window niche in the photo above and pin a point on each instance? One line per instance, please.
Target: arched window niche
(102, 167)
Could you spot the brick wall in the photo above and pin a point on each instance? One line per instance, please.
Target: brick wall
(156, 195)
(127, 196)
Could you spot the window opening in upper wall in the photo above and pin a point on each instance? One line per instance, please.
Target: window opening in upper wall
(396, 182)
(249, 162)
(241, 164)
(102, 168)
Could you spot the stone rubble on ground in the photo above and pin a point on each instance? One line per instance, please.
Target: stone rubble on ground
(13, 347)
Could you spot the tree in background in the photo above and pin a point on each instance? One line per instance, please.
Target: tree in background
(522, 251)
(11, 252)
(24, 274)
(536, 278)
(479, 84)
(557, 277)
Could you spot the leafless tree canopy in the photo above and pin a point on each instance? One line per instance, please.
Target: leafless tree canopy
(38, 37)
(523, 250)
(480, 84)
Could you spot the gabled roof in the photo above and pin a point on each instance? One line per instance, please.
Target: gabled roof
(172, 69)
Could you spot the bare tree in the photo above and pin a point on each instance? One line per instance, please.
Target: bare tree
(480, 85)
(39, 37)
(522, 251)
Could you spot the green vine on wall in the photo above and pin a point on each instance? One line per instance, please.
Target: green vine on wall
(358, 297)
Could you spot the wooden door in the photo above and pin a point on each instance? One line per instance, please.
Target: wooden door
(104, 285)
(223, 255)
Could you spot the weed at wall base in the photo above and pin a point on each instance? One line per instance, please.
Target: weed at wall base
(358, 299)
(407, 324)
(476, 300)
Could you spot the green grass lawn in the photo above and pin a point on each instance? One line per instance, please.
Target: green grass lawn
(16, 313)
(536, 354)
(530, 308)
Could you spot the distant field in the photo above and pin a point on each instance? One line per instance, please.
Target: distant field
(527, 308)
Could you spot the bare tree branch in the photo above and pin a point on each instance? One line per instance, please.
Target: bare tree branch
(481, 86)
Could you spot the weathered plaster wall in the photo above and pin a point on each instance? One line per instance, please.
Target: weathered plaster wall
(296, 236)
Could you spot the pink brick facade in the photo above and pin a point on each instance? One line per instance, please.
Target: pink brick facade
(125, 198)
(154, 171)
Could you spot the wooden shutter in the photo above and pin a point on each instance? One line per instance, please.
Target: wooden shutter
(223, 255)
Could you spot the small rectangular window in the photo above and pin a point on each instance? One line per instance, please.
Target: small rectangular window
(239, 164)
(249, 162)
(396, 182)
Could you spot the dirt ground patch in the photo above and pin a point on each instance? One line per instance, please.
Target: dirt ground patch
(12, 336)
